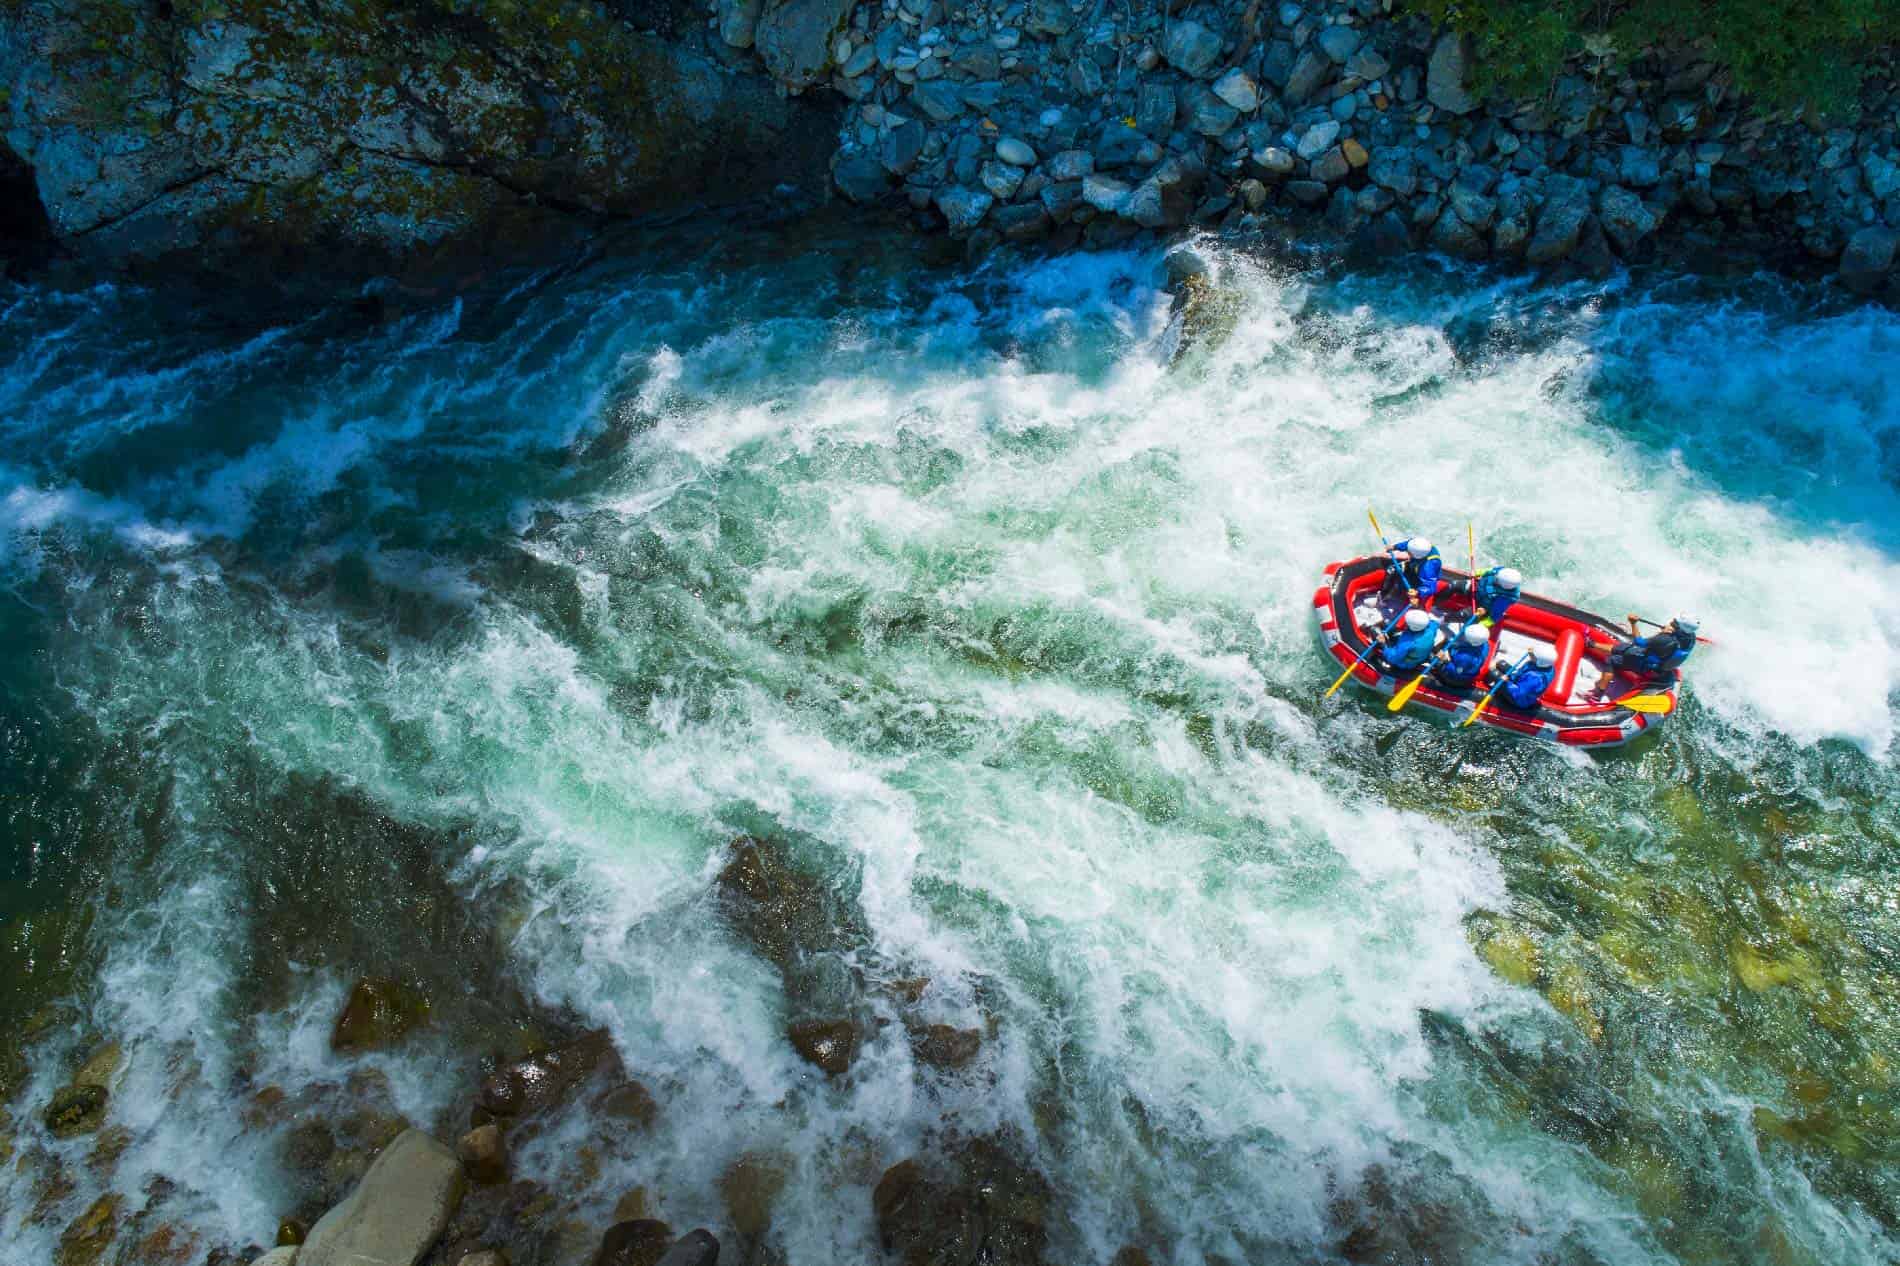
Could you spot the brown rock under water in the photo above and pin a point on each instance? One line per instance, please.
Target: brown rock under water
(88, 1236)
(379, 1011)
(832, 1045)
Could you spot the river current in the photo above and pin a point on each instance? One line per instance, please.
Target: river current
(461, 646)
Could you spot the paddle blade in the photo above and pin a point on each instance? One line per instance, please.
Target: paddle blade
(1333, 689)
(1475, 713)
(1655, 705)
(1404, 696)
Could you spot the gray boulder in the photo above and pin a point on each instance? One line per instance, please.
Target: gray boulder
(396, 1212)
(940, 99)
(794, 39)
(1070, 164)
(860, 176)
(1191, 49)
(1625, 218)
(1238, 89)
(1154, 110)
(1332, 166)
(1868, 258)
(1560, 223)
(1454, 236)
(1001, 179)
(963, 209)
(1308, 76)
(1393, 168)
(1274, 161)
(1340, 42)
(1015, 152)
(1317, 140)
(1105, 194)
(1448, 74)
(1367, 64)
(898, 148)
(1211, 116)
(738, 19)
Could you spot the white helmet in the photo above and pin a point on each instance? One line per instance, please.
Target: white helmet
(1688, 624)
(1476, 634)
(1418, 547)
(1509, 578)
(1543, 656)
(1416, 620)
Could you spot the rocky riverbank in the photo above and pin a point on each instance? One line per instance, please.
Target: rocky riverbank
(1049, 120)
(364, 135)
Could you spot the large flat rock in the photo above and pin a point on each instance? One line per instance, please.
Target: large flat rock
(395, 1213)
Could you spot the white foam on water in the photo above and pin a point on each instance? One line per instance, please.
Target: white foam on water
(1206, 955)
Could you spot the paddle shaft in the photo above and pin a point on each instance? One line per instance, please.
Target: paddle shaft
(1360, 659)
(1486, 701)
(1652, 624)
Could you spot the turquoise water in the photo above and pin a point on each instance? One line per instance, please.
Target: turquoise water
(460, 647)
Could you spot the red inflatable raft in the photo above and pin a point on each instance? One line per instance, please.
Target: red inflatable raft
(1351, 609)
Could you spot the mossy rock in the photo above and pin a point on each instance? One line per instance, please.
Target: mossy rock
(76, 1110)
(87, 1237)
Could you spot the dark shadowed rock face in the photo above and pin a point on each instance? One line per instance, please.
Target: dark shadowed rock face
(253, 133)
(977, 1204)
(377, 1013)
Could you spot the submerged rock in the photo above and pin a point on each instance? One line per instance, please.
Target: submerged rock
(538, 1082)
(396, 1212)
(832, 1045)
(377, 1013)
(642, 1242)
(979, 1205)
(87, 1236)
(484, 1154)
(750, 1187)
(75, 1110)
(785, 914)
(944, 1046)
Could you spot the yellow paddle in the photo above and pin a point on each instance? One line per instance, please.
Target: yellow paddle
(1330, 690)
(1404, 696)
(1486, 701)
(1655, 705)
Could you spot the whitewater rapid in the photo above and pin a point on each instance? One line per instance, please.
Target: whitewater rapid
(953, 581)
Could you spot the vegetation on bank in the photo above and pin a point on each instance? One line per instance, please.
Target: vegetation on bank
(1786, 52)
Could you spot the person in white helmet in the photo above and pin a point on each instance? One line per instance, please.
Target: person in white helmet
(1411, 647)
(1463, 658)
(1415, 567)
(1659, 653)
(1524, 684)
(1494, 591)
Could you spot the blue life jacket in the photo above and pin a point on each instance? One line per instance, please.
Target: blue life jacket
(1654, 655)
(1493, 599)
(1525, 686)
(1410, 650)
(1463, 663)
(1420, 573)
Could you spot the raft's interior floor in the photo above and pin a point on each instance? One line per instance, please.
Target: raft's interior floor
(1373, 613)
